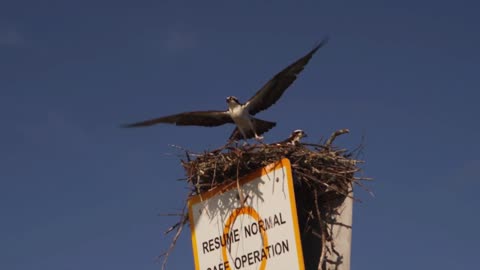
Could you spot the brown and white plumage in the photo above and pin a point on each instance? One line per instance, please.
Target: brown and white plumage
(294, 138)
(241, 114)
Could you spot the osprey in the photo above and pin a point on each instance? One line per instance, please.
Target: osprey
(294, 138)
(240, 114)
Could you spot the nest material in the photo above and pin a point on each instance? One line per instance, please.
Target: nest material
(330, 171)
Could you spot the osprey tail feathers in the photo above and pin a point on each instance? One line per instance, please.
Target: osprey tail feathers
(261, 126)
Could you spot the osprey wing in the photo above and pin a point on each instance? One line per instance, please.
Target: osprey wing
(202, 118)
(273, 89)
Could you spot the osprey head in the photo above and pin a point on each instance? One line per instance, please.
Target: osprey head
(298, 133)
(232, 100)
(296, 136)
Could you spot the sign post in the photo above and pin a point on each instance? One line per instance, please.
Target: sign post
(248, 224)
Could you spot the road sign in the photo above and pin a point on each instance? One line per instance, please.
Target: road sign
(259, 233)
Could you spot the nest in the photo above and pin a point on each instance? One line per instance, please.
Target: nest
(328, 170)
(322, 174)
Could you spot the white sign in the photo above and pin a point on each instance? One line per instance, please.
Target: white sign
(259, 233)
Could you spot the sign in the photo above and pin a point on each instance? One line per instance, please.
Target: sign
(259, 233)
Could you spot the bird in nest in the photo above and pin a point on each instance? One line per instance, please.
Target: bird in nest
(294, 138)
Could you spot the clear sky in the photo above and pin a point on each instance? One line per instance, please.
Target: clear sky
(78, 192)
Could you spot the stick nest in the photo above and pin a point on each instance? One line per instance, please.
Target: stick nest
(328, 169)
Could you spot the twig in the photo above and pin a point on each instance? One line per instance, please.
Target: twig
(240, 193)
(334, 136)
(179, 226)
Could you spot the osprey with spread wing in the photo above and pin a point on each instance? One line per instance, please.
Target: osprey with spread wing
(240, 114)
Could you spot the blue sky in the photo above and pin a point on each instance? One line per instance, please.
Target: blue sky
(77, 192)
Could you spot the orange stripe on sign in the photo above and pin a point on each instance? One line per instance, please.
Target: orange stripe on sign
(246, 210)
